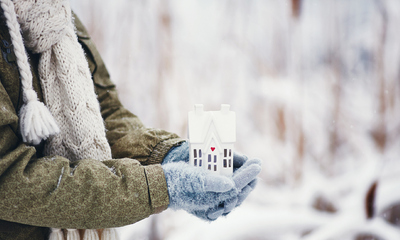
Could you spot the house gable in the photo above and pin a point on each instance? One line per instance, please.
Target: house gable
(200, 122)
(212, 141)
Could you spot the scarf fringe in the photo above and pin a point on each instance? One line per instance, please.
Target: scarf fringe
(73, 234)
(56, 234)
(109, 234)
(36, 121)
(91, 234)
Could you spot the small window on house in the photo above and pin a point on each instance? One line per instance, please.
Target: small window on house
(230, 165)
(225, 152)
(230, 152)
(209, 166)
(209, 157)
(215, 168)
(200, 162)
(194, 153)
(225, 164)
(215, 158)
(195, 162)
(199, 153)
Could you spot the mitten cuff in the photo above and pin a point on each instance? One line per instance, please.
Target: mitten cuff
(162, 148)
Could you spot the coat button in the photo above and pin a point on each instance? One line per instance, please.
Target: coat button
(8, 54)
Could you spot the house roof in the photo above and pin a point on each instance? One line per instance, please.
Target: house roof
(200, 122)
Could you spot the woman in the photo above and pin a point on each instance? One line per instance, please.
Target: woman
(59, 167)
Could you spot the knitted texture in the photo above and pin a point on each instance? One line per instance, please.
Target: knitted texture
(109, 233)
(56, 234)
(91, 234)
(66, 83)
(195, 189)
(66, 80)
(72, 234)
(36, 122)
(207, 195)
(179, 153)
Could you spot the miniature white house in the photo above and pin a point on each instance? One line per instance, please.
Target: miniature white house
(211, 137)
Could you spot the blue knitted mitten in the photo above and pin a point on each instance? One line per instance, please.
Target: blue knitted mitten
(245, 180)
(178, 153)
(205, 194)
(194, 189)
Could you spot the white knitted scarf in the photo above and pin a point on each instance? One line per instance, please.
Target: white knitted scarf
(74, 127)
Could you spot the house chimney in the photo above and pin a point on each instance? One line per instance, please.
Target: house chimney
(198, 108)
(225, 108)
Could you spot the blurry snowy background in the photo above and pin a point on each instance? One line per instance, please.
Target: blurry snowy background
(316, 89)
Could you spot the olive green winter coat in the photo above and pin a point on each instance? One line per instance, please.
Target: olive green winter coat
(37, 192)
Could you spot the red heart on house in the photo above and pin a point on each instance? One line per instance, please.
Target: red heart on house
(212, 149)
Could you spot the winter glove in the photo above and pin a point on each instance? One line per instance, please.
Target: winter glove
(194, 189)
(240, 162)
(178, 153)
(205, 194)
(244, 176)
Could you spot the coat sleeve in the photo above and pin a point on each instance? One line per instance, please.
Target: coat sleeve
(51, 191)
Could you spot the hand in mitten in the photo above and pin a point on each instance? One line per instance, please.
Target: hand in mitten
(244, 176)
(205, 194)
(194, 189)
(240, 163)
(178, 153)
